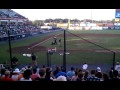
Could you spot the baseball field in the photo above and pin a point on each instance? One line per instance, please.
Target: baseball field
(90, 46)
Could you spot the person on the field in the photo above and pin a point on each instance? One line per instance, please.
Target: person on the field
(33, 56)
(55, 40)
(60, 42)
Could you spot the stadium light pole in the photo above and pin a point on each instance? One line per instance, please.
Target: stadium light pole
(9, 40)
(91, 16)
(64, 53)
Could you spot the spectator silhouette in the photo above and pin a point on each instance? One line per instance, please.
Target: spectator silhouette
(34, 62)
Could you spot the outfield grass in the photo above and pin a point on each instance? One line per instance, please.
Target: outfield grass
(75, 57)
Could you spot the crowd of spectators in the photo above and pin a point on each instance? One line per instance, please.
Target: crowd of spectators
(18, 28)
(30, 73)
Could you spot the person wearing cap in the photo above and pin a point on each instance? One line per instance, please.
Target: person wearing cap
(99, 73)
(15, 75)
(21, 74)
(85, 66)
(117, 67)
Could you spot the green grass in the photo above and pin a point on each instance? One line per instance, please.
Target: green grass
(96, 31)
(75, 57)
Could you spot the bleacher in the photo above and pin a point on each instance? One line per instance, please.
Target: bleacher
(18, 25)
(6, 13)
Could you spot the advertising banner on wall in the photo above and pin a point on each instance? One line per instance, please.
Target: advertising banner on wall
(116, 19)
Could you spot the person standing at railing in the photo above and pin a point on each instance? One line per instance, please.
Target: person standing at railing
(33, 57)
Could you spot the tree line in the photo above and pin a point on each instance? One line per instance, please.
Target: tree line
(59, 20)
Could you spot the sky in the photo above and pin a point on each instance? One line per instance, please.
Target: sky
(42, 14)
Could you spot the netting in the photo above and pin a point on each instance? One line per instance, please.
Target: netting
(91, 48)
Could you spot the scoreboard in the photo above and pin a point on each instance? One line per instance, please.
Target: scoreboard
(117, 10)
(117, 13)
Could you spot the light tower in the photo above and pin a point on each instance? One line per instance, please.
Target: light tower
(68, 27)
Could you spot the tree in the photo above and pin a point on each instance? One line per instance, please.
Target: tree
(38, 22)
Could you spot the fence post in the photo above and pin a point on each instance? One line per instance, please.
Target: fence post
(64, 53)
(113, 60)
(10, 51)
(47, 58)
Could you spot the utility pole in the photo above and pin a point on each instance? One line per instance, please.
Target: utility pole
(9, 39)
(113, 60)
(49, 53)
(64, 53)
(91, 16)
(68, 26)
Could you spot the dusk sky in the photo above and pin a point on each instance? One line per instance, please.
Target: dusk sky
(42, 14)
